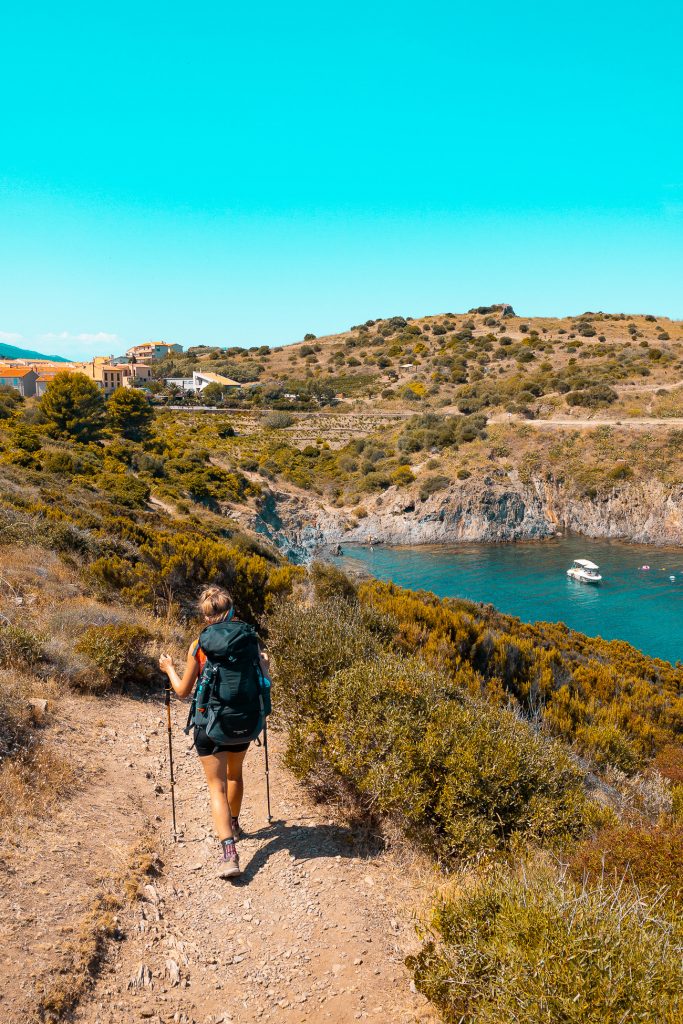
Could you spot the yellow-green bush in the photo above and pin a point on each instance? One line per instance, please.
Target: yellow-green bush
(171, 569)
(460, 775)
(330, 583)
(121, 655)
(617, 705)
(19, 647)
(309, 644)
(535, 950)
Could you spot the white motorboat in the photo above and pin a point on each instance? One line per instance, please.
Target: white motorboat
(584, 571)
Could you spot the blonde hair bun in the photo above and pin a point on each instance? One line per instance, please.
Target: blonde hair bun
(214, 602)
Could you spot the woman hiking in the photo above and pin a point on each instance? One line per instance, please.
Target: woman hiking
(222, 761)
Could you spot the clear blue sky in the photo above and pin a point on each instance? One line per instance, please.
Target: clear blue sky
(205, 173)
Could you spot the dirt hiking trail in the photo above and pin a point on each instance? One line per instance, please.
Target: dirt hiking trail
(316, 929)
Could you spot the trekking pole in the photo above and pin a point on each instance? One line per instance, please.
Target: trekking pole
(170, 758)
(265, 750)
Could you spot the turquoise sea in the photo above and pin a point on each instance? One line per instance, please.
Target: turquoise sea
(529, 580)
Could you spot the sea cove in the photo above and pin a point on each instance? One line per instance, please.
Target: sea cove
(643, 607)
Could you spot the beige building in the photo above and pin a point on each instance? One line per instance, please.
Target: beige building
(153, 350)
(33, 379)
(111, 376)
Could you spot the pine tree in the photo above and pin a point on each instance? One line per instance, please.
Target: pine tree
(130, 414)
(73, 407)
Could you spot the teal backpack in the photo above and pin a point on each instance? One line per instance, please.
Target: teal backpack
(232, 697)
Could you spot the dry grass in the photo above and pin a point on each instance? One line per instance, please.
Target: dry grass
(33, 777)
(649, 858)
(82, 958)
(45, 611)
(31, 784)
(529, 947)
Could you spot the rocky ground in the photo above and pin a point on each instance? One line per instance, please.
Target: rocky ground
(317, 927)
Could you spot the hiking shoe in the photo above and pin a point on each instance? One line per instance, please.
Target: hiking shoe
(229, 867)
(237, 830)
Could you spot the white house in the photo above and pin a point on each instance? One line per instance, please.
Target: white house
(202, 380)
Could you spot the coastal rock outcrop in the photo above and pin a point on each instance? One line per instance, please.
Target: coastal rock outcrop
(488, 510)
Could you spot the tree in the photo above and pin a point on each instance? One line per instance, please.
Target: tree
(212, 394)
(322, 391)
(129, 413)
(10, 400)
(73, 407)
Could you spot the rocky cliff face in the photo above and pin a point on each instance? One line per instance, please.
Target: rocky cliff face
(485, 511)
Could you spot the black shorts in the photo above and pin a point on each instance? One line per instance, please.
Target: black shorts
(206, 747)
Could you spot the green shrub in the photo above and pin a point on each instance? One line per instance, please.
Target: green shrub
(364, 718)
(121, 653)
(607, 745)
(278, 420)
(60, 462)
(172, 569)
(10, 401)
(431, 484)
(595, 397)
(402, 476)
(73, 407)
(541, 951)
(434, 431)
(125, 489)
(621, 472)
(310, 644)
(19, 647)
(476, 775)
(67, 538)
(330, 583)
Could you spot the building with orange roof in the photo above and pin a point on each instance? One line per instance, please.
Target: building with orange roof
(23, 378)
(45, 376)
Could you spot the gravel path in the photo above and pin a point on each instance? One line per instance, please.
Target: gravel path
(316, 929)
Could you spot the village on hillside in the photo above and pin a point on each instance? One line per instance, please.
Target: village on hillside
(30, 376)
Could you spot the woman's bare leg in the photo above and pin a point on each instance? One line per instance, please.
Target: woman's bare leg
(216, 770)
(235, 781)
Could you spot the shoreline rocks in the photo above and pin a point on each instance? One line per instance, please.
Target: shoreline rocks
(475, 511)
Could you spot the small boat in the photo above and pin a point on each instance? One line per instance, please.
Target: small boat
(585, 571)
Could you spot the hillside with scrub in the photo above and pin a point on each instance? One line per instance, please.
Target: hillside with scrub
(476, 426)
(487, 359)
(524, 781)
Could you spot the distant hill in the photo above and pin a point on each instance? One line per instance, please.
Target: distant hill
(12, 352)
